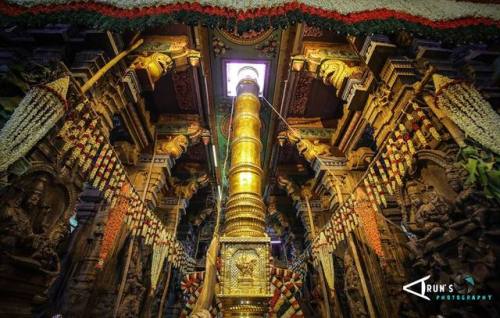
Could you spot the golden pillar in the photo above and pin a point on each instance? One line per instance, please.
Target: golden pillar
(244, 288)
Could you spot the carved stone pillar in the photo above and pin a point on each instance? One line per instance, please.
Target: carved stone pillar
(91, 216)
(167, 209)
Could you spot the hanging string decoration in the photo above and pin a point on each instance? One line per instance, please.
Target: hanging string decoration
(36, 114)
(160, 250)
(469, 110)
(335, 231)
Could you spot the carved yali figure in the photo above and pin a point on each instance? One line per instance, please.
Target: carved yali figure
(175, 146)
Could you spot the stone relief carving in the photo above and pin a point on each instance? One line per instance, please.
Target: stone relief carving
(134, 288)
(450, 239)
(35, 220)
(34, 224)
(352, 284)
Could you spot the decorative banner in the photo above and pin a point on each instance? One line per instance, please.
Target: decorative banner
(326, 260)
(160, 250)
(438, 18)
(36, 114)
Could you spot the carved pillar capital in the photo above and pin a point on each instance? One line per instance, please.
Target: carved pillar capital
(328, 66)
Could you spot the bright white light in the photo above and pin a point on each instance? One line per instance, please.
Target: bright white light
(235, 71)
(215, 155)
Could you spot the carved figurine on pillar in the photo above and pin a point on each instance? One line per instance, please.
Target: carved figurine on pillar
(352, 285)
(456, 234)
(134, 288)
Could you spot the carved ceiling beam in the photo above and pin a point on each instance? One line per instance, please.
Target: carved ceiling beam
(302, 197)
(161, 54)
(327, 64)
(178, 200)
(307, 148)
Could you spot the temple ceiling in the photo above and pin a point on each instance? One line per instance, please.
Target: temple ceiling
(188, 110)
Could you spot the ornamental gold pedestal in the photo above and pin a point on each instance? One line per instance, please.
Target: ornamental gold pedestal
(244, 288)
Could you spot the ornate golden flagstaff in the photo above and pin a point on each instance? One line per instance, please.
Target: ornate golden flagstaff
(244, 288)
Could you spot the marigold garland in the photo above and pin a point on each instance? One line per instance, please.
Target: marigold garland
(368, 217)
(113, 225)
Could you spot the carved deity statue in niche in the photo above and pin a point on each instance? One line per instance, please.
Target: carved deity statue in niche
(33, 222)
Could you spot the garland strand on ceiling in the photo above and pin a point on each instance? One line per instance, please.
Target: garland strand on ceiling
(466, 28)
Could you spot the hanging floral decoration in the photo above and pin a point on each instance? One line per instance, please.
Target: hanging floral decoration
(86, 146)
(459, 22)
(160, 250)
(368, 217)
(469, 110)
(384, 175)
(114, 224)
(36, 114)
(326, 260)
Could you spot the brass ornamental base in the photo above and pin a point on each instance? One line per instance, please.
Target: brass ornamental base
(244, 288)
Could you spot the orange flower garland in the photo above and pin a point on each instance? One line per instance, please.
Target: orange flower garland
(115, 220)
(367, 214)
